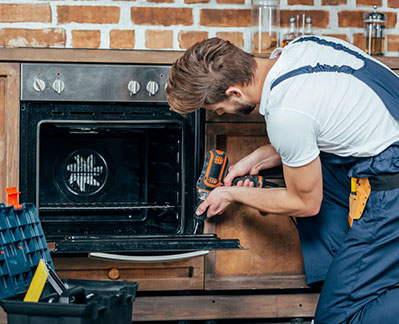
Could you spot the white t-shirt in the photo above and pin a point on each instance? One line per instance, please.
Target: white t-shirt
(324, 111)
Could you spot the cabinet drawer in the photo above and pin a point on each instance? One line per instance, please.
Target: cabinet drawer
(181, 275)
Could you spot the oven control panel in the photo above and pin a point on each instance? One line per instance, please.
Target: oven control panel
(93, 82)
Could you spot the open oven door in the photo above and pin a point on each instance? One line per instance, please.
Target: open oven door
(153, 244)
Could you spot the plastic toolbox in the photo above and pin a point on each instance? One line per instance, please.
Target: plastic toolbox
(22, 245)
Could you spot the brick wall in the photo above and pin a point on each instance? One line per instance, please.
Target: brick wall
(172, 24)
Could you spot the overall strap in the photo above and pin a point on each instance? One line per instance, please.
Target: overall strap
(320, 67)
(381, 80)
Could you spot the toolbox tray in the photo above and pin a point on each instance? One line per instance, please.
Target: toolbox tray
(112, 303)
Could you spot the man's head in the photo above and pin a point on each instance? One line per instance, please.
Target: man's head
(206, 75)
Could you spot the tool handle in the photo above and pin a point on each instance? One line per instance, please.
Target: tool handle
(75, 295)
(201, 217)
(259, 181)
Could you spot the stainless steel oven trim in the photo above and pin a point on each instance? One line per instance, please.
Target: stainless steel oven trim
(93, 82)
(152, 121)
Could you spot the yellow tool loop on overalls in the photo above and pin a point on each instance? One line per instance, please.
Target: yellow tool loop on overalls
(360, 192)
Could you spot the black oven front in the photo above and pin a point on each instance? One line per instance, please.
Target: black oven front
(107, 164)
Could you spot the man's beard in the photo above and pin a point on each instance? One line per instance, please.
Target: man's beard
(244, 109)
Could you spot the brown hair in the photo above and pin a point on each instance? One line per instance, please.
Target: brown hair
(204, 73)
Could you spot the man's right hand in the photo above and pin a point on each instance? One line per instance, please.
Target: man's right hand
(262, 158)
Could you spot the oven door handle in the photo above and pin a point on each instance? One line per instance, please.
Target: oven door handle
(147, 258)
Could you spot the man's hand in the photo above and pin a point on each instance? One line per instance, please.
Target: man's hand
(262, 158)
(217, 202)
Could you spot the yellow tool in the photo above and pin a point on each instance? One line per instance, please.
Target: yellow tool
(37, 285)
(360, 192)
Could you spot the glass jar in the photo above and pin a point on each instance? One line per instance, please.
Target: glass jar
(265, 17)
(374, 25)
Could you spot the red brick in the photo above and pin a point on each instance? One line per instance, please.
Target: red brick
(391, 19)
(333, 2)
(320, 18)
(25, 13)
(358, 40)
(236, 38)
(370, 3)
(393, 3)
(19, 37)
(121, 38)
(225, 17)
(340, 36)
(88, 14)
(86, 38)
(157, 39)
(300, 2)
(231, 1)
(189, 38)
(393, 43)
(162, 16)
(350, 18)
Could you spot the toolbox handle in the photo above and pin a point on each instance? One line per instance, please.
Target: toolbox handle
(147, 258)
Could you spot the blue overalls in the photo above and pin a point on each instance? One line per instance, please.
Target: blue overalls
(360, 264)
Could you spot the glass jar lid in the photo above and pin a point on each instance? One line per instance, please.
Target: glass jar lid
(374, 17)
(271, 3)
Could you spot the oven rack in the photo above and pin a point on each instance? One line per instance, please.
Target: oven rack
(123, 206)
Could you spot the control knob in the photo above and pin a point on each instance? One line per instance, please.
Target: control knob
(133, 87)
(152, 88)
(58, 86)
(39, 85)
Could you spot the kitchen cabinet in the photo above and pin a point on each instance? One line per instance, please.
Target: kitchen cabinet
(272, 258)
(230, 284)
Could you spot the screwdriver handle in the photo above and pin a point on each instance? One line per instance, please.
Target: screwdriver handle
(201, 217)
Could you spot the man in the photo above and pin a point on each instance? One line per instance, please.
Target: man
(331, 113)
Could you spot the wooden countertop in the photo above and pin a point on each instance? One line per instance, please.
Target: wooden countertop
(108, 56)
(88, 55)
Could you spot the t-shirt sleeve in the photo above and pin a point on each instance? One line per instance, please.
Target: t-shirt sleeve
(294, 135)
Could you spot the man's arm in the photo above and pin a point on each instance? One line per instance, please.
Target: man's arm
(263, 157)
(302, 196)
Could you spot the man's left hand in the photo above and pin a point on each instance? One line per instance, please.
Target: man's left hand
(217, 202)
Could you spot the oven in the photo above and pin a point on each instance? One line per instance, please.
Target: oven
(109, 167)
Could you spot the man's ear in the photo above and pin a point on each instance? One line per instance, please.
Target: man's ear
(234, 90)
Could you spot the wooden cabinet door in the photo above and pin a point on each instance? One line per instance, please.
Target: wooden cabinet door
(9, 127)
(272, 258)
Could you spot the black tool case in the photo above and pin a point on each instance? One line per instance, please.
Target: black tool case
(22, 245)
(112, 303)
